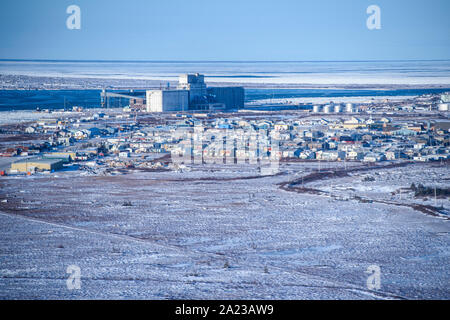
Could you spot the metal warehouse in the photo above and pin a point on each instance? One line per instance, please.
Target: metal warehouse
(28, 165)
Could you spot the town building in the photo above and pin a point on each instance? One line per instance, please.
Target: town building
(33, 164)
(167, 100)
(193, 95)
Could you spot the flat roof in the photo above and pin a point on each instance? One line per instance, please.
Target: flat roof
(39, 160)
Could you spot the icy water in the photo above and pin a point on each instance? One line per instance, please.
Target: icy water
(319, 72)
(273, 75)
(57, 99)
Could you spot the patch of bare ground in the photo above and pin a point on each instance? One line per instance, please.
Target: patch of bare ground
(22, 137)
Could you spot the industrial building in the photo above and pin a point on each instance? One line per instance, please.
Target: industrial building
(195, 84)
(167, 100)
(231, 97)
(119, 99)
(193, 95)
(68, 156)
(33, 164)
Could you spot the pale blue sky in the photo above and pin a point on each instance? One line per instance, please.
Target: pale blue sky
(225, 30)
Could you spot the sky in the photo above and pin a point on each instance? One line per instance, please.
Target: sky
(225, 30)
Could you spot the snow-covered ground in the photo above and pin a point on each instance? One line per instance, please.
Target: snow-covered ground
(20, 116)
(392, 185)
(210, 233)
(7, 117)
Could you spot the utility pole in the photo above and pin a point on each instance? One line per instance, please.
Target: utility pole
(435, 198)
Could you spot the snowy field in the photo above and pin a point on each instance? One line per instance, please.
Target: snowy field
(392, 185)
(18, 116)
(221, 232)
(7, 117)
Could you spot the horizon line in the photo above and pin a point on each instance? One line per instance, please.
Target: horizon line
(214, 61)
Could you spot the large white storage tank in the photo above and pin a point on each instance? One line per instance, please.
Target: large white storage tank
(337, 108)
(349, 107)
(443, 107)
(327, 109)
(316, 109)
